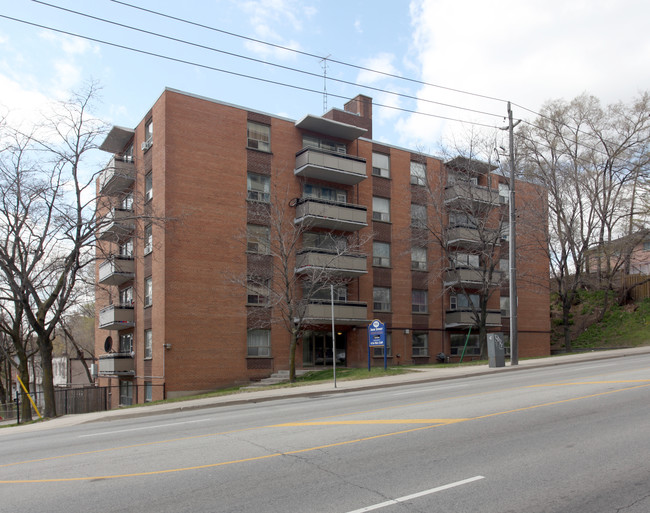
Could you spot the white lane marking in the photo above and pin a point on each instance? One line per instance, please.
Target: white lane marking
(157, 426)
(418, 494)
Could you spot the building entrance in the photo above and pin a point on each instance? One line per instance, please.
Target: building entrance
(317, 348)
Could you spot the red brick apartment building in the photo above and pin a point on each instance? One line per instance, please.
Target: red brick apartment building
(183, 195)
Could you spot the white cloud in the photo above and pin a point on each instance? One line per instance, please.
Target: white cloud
(272, 20)
(383, 63)
(525, 52)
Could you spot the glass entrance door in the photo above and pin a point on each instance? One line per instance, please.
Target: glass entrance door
(317, 348)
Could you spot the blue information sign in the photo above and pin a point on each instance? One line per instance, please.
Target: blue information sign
(376, 338)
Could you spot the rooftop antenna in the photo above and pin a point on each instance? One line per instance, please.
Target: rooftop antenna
(323, 63)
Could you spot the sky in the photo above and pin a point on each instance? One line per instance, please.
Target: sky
(447, 66)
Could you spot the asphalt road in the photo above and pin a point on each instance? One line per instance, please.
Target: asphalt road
(573, 438)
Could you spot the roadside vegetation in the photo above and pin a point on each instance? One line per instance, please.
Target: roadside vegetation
(600, 324)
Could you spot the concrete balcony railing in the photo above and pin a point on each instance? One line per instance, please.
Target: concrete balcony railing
(331, 215)
(117, 177)
(320, 312)
(467, 236)
(116, 364)
(464, 318)
(469, 277)
(465, 193)
(116, 317)
(116, 270)
(330, 167)
(117, 225)
(309, 260)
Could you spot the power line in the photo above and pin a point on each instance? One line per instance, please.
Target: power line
(260, 61)
(307, 54)
(234, 73)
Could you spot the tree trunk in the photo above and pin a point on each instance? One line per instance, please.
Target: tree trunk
(566, 324)
(45, 347)
(25, 404)
(292, 356)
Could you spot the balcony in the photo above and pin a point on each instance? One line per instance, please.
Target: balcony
(116, 364)
(470, 277)
(319, 260)
(116, 270)
(467, 236)
(116, 317)
(118, 177)
(466, 193)
(465, 318)
(331, 215)
(348, 313)
(117, 224)
(330, 167)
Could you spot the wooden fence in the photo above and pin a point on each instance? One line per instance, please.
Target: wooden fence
(641, 284)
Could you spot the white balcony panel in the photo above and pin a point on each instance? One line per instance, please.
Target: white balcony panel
(465, 318)
(116, 364)
(330, 167)
(333, 216)
(118, 177)
(354, 314)
(116, 270)
(116, 317)
(338, 265)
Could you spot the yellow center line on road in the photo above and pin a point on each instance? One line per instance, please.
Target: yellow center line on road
(440, 422)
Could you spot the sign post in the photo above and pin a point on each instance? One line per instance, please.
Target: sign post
(377, 338)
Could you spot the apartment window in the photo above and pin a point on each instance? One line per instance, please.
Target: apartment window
(646, 246)
(463, 301)
(126, 248)
(148, 344)
(505, 231)
(504, 265)
(419, 301)
(380, 165)
(325, 241)
(259, 187)
(381, 254)
(148, 132)
(418, 216)
(420, 343)
(418, 173)
(147, 392)
(127, 202)
(148, 291)
(463, 260)
(504, 192)
(462, 219)
(418, 258)
(324, 293)
(259, 136)
(380, 209)
(378, 352)
(460, 343)
(148, 186)
(126, 393)
(126, 297)
(258, 343)
(324, 193)
(505, 306)
(309, 141)
(257, 292)
(126, 343)
(381, 299)
(148, 239)
(258, 239)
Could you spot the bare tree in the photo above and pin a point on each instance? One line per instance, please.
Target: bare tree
(591, 161)
(293, 265)
(48, 217)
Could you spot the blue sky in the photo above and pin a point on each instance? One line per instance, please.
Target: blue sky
(523, 51)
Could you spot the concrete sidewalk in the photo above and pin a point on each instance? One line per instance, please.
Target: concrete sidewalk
(419, 375)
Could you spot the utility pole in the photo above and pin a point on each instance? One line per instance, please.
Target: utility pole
(512, 244)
